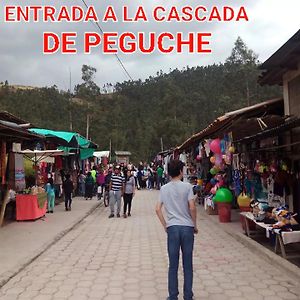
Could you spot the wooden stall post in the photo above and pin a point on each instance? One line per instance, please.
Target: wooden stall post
(3, 207)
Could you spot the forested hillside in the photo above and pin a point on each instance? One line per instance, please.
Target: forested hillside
(138, 114)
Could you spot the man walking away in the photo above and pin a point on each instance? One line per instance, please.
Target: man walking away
(116, 191)
(177, 198)
(68, 190)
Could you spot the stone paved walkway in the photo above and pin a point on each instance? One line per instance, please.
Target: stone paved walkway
(21, 242)
(126, 259)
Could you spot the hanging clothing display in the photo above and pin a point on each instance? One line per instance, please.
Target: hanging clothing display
(19, 173)
(58, 162)
(235, 162)
(183, 157)
(207, 147)
(166, 161)
(236, 177)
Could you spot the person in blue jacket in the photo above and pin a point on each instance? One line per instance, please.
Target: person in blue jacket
(50, 195)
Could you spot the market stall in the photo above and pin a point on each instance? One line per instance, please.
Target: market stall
(102, 157)
(31, 206)
(80, 152)
(41, 156)
(32, 203)
(282, 237)
(13, 132)
(214, 158)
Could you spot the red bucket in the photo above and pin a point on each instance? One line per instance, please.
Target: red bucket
(224, 210)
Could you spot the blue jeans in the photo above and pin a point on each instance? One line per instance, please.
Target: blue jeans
(82, 189)
(180, 237)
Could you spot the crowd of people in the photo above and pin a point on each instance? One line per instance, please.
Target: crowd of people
(176, 196)
(113, 181)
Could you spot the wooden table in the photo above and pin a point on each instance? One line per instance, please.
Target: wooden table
(282, 237)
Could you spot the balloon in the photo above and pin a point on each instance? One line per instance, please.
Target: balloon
(228, 159)
(218, 160)
(199, 181)
(221, 183)
(243, 200)
(213, 181)
(213, 171)
(213, 190)
(223, 146)
(213, 160)
(231, 149)
(219, 177)
(198, 157)
(223, 195)
(215, 146)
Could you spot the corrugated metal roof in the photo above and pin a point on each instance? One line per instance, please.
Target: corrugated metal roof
(254, 107)
(6, 116)
(287, 125)
(225, 121)
(17, 133)
(122, 153)
(284, 59)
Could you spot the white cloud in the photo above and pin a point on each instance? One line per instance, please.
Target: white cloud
(272, 23)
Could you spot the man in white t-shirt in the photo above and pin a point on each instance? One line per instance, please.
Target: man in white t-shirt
(178, 200)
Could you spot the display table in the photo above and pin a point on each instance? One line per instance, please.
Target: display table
(282, 237)
(27, 206)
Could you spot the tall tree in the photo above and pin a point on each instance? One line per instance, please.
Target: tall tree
(242, 64)
(135, 115)
(88, 91)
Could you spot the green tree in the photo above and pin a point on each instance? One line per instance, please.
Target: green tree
(242, 71)
(135, 115)
(88, 91)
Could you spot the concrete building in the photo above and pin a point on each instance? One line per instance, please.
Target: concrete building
(123, 157)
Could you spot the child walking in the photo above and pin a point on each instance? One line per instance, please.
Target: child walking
(50, 190)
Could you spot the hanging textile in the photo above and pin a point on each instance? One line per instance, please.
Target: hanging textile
(11, 170)
(58, 162)
(19, 172)
(86, 153)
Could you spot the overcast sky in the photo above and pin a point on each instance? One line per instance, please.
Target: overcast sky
(272, 23)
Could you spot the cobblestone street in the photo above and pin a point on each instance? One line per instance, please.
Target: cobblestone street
(126, 259)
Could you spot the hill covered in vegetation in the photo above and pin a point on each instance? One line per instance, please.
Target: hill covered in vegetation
(139, 114)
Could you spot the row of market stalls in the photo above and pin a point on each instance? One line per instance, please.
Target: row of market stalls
(254, 151)
(28, 157)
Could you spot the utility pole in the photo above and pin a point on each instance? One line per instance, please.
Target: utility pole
(110, 150)
(70, 101)
(161, 144)
(87, 125)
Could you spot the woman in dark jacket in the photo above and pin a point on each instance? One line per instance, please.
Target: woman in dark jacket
(89, 186)
(128, 193)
